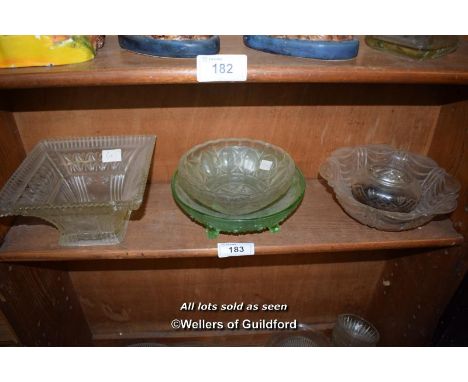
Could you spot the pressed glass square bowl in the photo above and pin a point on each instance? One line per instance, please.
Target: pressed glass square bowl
(236, 176)
(389, 189)
(86, 187)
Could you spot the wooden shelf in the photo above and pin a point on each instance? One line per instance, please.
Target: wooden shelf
(115, 66)
(321, 263)
(160, 230)
(7, 336)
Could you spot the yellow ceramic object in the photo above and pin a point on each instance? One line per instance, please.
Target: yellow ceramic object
(19, 51)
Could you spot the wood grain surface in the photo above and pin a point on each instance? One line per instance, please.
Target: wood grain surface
(139, 298)
(161, 230)
(308, 121)
(450, 149)
(114, 66)
(11, 155)
(7, 335)
(41, 305)
(412, 294)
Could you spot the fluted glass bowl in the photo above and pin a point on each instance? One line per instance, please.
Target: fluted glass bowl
(389, 189)
(87, 187)
(352, 330)
(236, 176)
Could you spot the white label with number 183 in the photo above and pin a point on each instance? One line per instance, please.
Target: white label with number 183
(221, 67)
(235, 249)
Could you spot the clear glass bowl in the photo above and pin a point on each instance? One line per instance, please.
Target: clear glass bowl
(86, 187)
(352, 330)
(389, 189)
(236, 176)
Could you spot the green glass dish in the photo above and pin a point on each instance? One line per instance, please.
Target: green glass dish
(416, 47)
(269, 217)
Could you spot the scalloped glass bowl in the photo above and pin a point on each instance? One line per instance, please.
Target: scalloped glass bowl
(389, 189)
(236, 176)
(73, 185)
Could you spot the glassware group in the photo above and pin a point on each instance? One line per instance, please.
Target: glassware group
(87, 187)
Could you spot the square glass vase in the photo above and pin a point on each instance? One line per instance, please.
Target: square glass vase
(86, 187)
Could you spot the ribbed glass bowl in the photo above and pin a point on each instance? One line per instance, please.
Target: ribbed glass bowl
(352, 330)
(86, 187)
(236, 176)
(389, 189)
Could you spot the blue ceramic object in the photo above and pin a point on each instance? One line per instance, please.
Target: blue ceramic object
(322, 50)
(169, 48)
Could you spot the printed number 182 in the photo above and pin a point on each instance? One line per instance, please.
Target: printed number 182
(222, 68)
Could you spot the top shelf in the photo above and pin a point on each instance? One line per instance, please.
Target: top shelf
(115, 66)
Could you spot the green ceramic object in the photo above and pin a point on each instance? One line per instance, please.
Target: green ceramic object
(269, 217)
(416, 47)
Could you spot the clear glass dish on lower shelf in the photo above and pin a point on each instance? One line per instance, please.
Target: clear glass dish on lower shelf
(352, 330)
(267, 218)
(86, 187)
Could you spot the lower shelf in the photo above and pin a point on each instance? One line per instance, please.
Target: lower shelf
(161, 230)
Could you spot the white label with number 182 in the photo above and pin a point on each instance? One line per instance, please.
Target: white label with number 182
(221, 67)
(235, 249)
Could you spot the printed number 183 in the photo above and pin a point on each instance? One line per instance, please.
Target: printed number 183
(236, 249)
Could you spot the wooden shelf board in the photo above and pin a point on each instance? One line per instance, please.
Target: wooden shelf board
(161, 230)
(7, 336)
(115, 66)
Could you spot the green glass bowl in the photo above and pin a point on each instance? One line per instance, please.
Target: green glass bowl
(269, 217)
